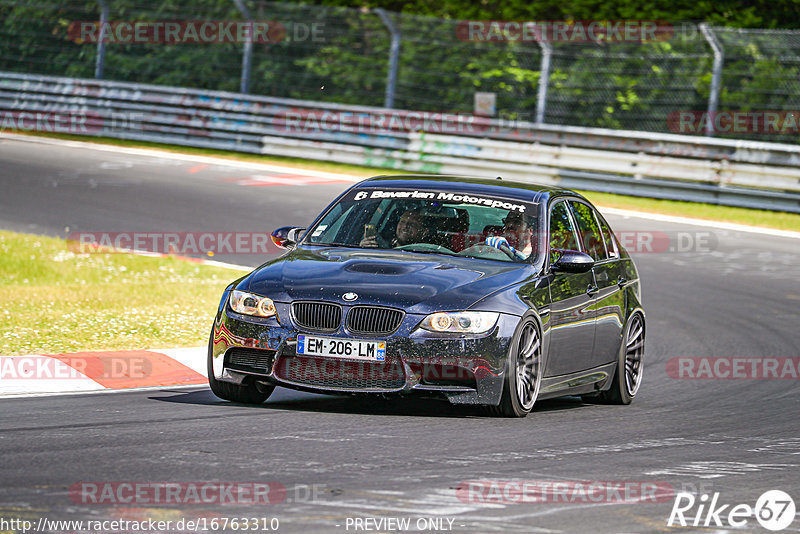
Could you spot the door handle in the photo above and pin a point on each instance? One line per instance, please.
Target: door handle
(621, 281)
(592, 290)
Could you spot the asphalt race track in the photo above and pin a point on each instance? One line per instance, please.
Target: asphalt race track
(737, 295)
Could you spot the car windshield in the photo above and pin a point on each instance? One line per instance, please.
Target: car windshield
(458, 224)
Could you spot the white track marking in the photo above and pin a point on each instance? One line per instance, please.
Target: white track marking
(154, 153)
(700, 222)
(349, 177)
(192, 357)
(719, 469)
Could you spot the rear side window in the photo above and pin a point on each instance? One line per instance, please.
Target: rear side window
(611, 247)
(591, 237)
(562, 231)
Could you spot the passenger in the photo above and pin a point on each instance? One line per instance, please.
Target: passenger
(517, 235)
(411, 228)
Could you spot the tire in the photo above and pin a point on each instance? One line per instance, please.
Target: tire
(245, 393)
(523, 373)
(628, 373)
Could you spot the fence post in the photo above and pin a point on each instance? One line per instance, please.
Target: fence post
(394, 53)
(101, 41)
(716, 75)
(247, 56)
(544, 80)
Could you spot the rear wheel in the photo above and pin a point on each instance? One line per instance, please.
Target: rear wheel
(628, 374)
(248, 393)
(523, 375)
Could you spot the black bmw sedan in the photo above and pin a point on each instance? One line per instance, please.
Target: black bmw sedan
(479, 291)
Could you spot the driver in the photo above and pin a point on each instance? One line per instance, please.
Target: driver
(411, 228)
(517, 235)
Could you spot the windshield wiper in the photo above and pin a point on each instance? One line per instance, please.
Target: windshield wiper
(347, 245)
(426, 251)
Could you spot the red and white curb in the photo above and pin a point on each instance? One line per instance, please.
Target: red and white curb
(76, 372)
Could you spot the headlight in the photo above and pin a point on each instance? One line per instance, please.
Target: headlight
(465, 322)
(250, 304)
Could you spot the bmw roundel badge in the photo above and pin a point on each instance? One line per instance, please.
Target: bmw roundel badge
(349, 297)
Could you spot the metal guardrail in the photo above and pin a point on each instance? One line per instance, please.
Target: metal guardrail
(736, 173)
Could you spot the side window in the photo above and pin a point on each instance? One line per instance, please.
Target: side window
(608, 237)
(329, 227)
(591, 237)
(562, 231)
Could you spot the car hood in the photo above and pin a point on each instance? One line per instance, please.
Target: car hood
(415, 282)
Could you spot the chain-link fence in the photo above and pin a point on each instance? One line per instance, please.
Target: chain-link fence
(761, 69)
(665, 83)
(628, 85)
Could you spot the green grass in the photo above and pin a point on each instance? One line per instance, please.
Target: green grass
(752, 217)
(57, 301)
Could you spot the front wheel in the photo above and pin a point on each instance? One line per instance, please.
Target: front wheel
(523, 375)
(244, 393)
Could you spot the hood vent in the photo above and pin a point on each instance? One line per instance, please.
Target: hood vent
(386, 268)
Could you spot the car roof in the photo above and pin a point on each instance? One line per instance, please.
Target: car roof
(524, 191)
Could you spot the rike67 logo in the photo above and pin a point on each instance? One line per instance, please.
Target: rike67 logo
(774, 510)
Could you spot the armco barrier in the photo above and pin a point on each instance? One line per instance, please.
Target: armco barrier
(737, 173)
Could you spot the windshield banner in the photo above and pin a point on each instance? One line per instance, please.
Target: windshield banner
(442, 196)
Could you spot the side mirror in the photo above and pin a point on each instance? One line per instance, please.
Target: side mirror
(287, 236)
(572, 261)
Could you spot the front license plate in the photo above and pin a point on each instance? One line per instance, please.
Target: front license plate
(350, 349)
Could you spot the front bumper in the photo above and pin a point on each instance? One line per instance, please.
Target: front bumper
(466, 369)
